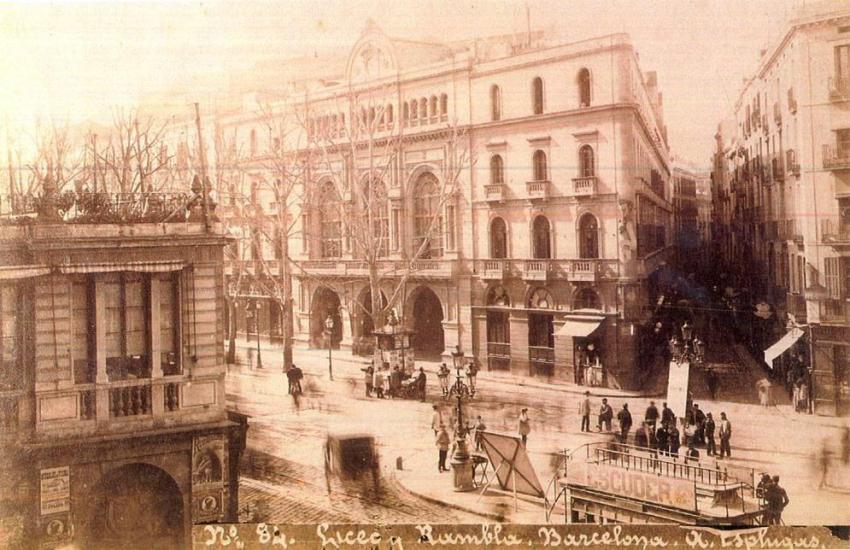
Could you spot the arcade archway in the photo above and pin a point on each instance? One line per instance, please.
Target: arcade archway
(133, 503)
(325, 303)
(427, 324)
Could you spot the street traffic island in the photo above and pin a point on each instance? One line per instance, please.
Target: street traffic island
(616, 483)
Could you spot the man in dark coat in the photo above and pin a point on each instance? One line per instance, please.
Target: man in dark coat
(420, 383)
(699, 425)
(667, 415)
(624, 417)
(606, 414)
(777, 499)
(651, 416)
(673, 440)
(661, 439)
(710, 448)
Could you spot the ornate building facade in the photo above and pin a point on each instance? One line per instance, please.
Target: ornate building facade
(538, 246)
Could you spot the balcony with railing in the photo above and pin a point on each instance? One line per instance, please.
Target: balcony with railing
(839, 88)
(835, 231)
(494, 192)
(537, 189)
(535, 270)
(494, 270)
(584, 187)
(584, 270)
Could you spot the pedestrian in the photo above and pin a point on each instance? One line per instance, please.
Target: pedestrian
(667, 415)
(710, 448)
(379, 383)
(421, 382)
(606, 415)
(368, 377)
(642, 437)
(804, 396)
(479, 428)
(624, 418)
(825, 463)
(725, 433)
(699, 424)
(662, 439)
(584, 411)
(436, 419)
(297, 376)
(777, 499)
(395, 382)
(692, 454)
(763, 388)
(524, 426)
(443, 441)
(471, 375)
(651, 416)
(443, 376)
(673, 439)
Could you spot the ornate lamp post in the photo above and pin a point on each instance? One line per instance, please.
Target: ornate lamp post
(461, 463)
(329, 328)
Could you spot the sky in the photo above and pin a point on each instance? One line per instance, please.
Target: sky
(78, 61)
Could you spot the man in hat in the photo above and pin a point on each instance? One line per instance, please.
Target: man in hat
(584, 411)
(624, 417)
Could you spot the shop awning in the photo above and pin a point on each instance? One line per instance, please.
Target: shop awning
(12, 272)
(782, 345)
(580, 325)
(138, 267)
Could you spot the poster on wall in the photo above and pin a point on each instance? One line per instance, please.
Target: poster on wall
(55, 490)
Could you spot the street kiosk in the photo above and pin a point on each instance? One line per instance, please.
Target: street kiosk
(615, 483)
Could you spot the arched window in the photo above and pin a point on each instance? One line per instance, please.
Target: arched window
(537, 95)
(434, 106)
(414, 110)
(375, 208)
(427, 219)
(497, 170)
(330, 230)
(389, 112)
(495, 103)
(586, 162)
(498, 239)
(541, 299)
(405, 113)
(588, 234)
(444, 107)
(541, 172)
(541, 238)
(423, 108)
(584, 88)
(498, 296)
(587, 298)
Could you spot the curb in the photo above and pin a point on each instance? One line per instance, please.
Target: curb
(438, 502)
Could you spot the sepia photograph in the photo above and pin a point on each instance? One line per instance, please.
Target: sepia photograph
(406, 274)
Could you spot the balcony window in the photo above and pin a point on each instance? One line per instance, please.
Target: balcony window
(541, 238)
(497, 174)
(83, 332)
(169, 307)
(588, 237)
(495, 103)
(423, 109)
(541, 172)
(842, 143)
(444, 107)
(498, 239)
(537, 95)
(586, 162)
(10, 348)
(126, 302)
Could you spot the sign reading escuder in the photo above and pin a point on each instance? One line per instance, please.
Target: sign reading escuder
(669, 491)
(55, 490)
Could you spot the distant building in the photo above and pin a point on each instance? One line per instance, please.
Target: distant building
(112, 401)
(691, 200)
(781, 193)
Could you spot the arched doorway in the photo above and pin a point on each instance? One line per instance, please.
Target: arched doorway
(427, 324)
(541, 332)
(133, 503)
(325, 303)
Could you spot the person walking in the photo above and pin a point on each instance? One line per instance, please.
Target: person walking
(777, 499)
(651, 416)
(368, 377)
(725, 433)
(624, 418)
(710, 448)
(524, 426)
(395, 382)
(421, 384)
(606, 415)
(443, 376)
(443, 441)
(436, 419)
(479, 428)
(584, 411)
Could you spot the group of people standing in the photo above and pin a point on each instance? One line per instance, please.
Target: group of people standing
(659, 429)
(471, 372)
(393, 383)
(774, 499)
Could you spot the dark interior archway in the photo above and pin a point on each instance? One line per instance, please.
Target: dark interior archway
(428, 340)
(325, 303)
(134, 503)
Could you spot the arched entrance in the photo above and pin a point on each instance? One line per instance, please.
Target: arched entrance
(427, 324)
(136, 502)
(325, 303)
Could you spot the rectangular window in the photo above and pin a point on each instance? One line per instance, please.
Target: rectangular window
(842, 142)
(10, 351)
(125, 299)
(169, 322)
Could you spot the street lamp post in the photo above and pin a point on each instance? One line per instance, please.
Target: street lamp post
(257, 306)
(461, 463)
(329, 327)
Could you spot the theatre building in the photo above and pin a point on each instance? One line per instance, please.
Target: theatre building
(112, 396)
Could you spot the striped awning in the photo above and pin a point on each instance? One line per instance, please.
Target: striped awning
(12, 272)
(112, 267)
